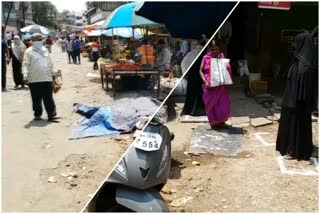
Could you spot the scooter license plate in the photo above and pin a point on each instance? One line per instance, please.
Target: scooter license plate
(148, 141)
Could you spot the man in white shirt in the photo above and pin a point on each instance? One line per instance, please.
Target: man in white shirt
(164, 57)
(184, 48)
(39, 75)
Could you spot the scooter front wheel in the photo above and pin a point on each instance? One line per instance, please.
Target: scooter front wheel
(119, 208)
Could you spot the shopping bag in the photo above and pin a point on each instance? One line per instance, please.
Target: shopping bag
(56, 86)
(57, 82)
(219, 74)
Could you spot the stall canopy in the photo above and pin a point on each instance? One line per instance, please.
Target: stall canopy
(144, 32)
(121, 32)
(35, 29)
(125, 32)
(95, 26)
(187, 19)
(124, 16)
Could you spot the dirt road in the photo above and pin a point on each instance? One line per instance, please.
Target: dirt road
(33, 152)
(248, 182)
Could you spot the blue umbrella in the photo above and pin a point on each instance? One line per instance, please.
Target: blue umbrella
(124, 16)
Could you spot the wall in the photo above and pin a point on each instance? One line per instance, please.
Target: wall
(12, 22)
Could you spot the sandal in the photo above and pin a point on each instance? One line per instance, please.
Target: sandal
(54, 119)
(37, 118)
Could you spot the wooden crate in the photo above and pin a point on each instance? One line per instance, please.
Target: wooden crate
(259, 86)
(151, 60)
(146, 50)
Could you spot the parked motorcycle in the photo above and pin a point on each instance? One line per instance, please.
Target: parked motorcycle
(136, 182)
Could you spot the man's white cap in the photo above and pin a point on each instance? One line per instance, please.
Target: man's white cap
(37, 35)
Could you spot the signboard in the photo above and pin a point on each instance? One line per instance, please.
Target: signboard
(278, 5)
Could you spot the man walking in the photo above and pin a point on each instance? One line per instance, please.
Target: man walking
(70, 50)
(4, 55)
(49, 43)
(76, 49)
(95, 53)
(39, 75)
(164, 56)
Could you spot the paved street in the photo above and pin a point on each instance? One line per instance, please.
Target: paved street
(35, 151)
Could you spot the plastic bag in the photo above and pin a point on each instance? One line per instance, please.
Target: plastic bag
(243, 68)
(219, 75)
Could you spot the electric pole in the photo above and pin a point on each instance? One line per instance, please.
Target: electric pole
(10, 8)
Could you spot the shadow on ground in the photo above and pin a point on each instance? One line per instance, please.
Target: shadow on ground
(175, 170)
(36, 123)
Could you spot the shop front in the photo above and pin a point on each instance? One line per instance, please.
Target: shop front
(264, 34)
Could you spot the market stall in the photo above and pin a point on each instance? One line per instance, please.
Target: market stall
(118, 71)
(128, 60)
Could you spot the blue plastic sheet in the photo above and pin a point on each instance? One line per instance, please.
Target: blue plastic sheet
(97, 122)
(112, 120)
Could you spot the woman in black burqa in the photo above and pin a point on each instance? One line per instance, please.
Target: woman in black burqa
(193, 104)
(295, 129)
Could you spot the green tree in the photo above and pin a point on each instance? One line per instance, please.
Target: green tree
(44, 13)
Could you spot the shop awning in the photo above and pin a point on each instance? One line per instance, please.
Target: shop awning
(95, 33)
(95, 26)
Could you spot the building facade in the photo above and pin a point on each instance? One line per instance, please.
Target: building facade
(72, 21)
(98, 11)
(19, 17)
(80, 19)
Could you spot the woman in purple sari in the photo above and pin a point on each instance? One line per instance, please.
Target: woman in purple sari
(216, 99)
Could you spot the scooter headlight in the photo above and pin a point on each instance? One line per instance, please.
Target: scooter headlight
(164, 160)
(121, 168)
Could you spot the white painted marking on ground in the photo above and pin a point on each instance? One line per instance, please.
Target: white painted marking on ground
(315, 162)
(285, 170)
(93, 75)
(213, 137)
(261, 140)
